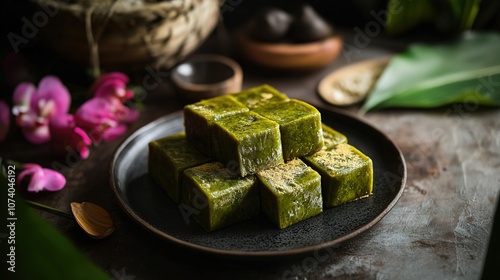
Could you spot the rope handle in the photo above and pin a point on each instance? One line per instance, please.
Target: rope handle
(93, 41)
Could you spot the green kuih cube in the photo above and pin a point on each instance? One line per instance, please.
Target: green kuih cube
(331, 137)
(346, 174)
(167, 159)
(218, 196)
(200, 116)
(259, 96)
(246, 143)
(290, 193)
(300, 127)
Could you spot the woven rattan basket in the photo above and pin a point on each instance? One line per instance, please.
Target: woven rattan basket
(110, 34)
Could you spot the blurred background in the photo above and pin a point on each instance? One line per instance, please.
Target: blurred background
(45, 49)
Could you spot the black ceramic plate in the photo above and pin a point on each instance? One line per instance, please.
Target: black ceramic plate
(147, 204)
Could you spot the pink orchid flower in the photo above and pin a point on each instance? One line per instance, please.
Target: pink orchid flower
(4, 120)
(42, 178)
(22, 98)
(104, 116)
(98, 117)
(123, 113)
(67, 137)
(33, 107)
(112, 85)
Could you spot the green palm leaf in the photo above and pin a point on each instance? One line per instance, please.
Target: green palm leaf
(426, 76)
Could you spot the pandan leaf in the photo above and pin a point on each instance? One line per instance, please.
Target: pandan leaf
(469, 17)
(446, 15)
(426, 76)
(404, 15)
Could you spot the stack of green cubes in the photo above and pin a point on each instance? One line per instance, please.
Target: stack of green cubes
(258, 151)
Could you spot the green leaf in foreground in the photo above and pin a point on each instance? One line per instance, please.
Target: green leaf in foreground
(38, 250)
(426, 76)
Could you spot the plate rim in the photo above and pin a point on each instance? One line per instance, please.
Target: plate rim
(250, 255)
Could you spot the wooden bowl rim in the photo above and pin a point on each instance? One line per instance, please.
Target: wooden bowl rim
(235, 78)
(285, 48)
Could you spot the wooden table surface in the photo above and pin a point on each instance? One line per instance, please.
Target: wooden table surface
(439, 229)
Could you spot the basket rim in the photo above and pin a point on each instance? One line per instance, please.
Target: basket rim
(77, 8)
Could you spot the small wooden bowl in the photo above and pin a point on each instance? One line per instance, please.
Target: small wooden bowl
(289, 56)
(206, 76)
